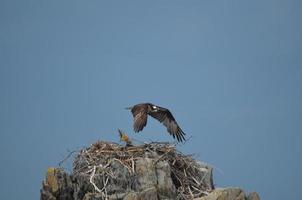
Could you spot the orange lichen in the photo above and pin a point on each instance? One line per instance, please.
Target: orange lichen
(51, 179)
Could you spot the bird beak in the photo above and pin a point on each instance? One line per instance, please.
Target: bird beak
(128, 108)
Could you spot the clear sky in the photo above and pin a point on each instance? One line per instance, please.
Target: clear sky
(230, 72)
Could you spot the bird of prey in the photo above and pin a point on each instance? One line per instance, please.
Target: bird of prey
(125, 138)
(141, 111)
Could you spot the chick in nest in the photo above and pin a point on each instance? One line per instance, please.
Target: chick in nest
(125, 138)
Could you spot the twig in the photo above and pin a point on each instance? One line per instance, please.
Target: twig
(66, 157)
(132, 161)
(91, 181)
(190, 192)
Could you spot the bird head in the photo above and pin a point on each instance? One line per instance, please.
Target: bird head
(123, 136)
(153, 108)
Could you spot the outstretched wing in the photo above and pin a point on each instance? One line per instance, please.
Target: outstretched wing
(165, 116)
(139, 113)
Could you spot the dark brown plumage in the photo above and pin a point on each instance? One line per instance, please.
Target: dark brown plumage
(141, 111)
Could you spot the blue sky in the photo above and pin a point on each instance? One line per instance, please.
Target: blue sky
(230, 71)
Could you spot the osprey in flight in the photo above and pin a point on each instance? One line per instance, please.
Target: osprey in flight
(141, 111)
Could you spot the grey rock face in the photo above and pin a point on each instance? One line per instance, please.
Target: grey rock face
(146, 174)
(253, 196)
(57, 185)
(145, 171)
(165, 186)
(229, 194)
(150, 181)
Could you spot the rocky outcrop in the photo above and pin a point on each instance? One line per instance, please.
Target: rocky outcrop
(150, 171)
(230, 194)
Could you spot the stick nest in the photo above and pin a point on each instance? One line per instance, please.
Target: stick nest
(190, 177)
